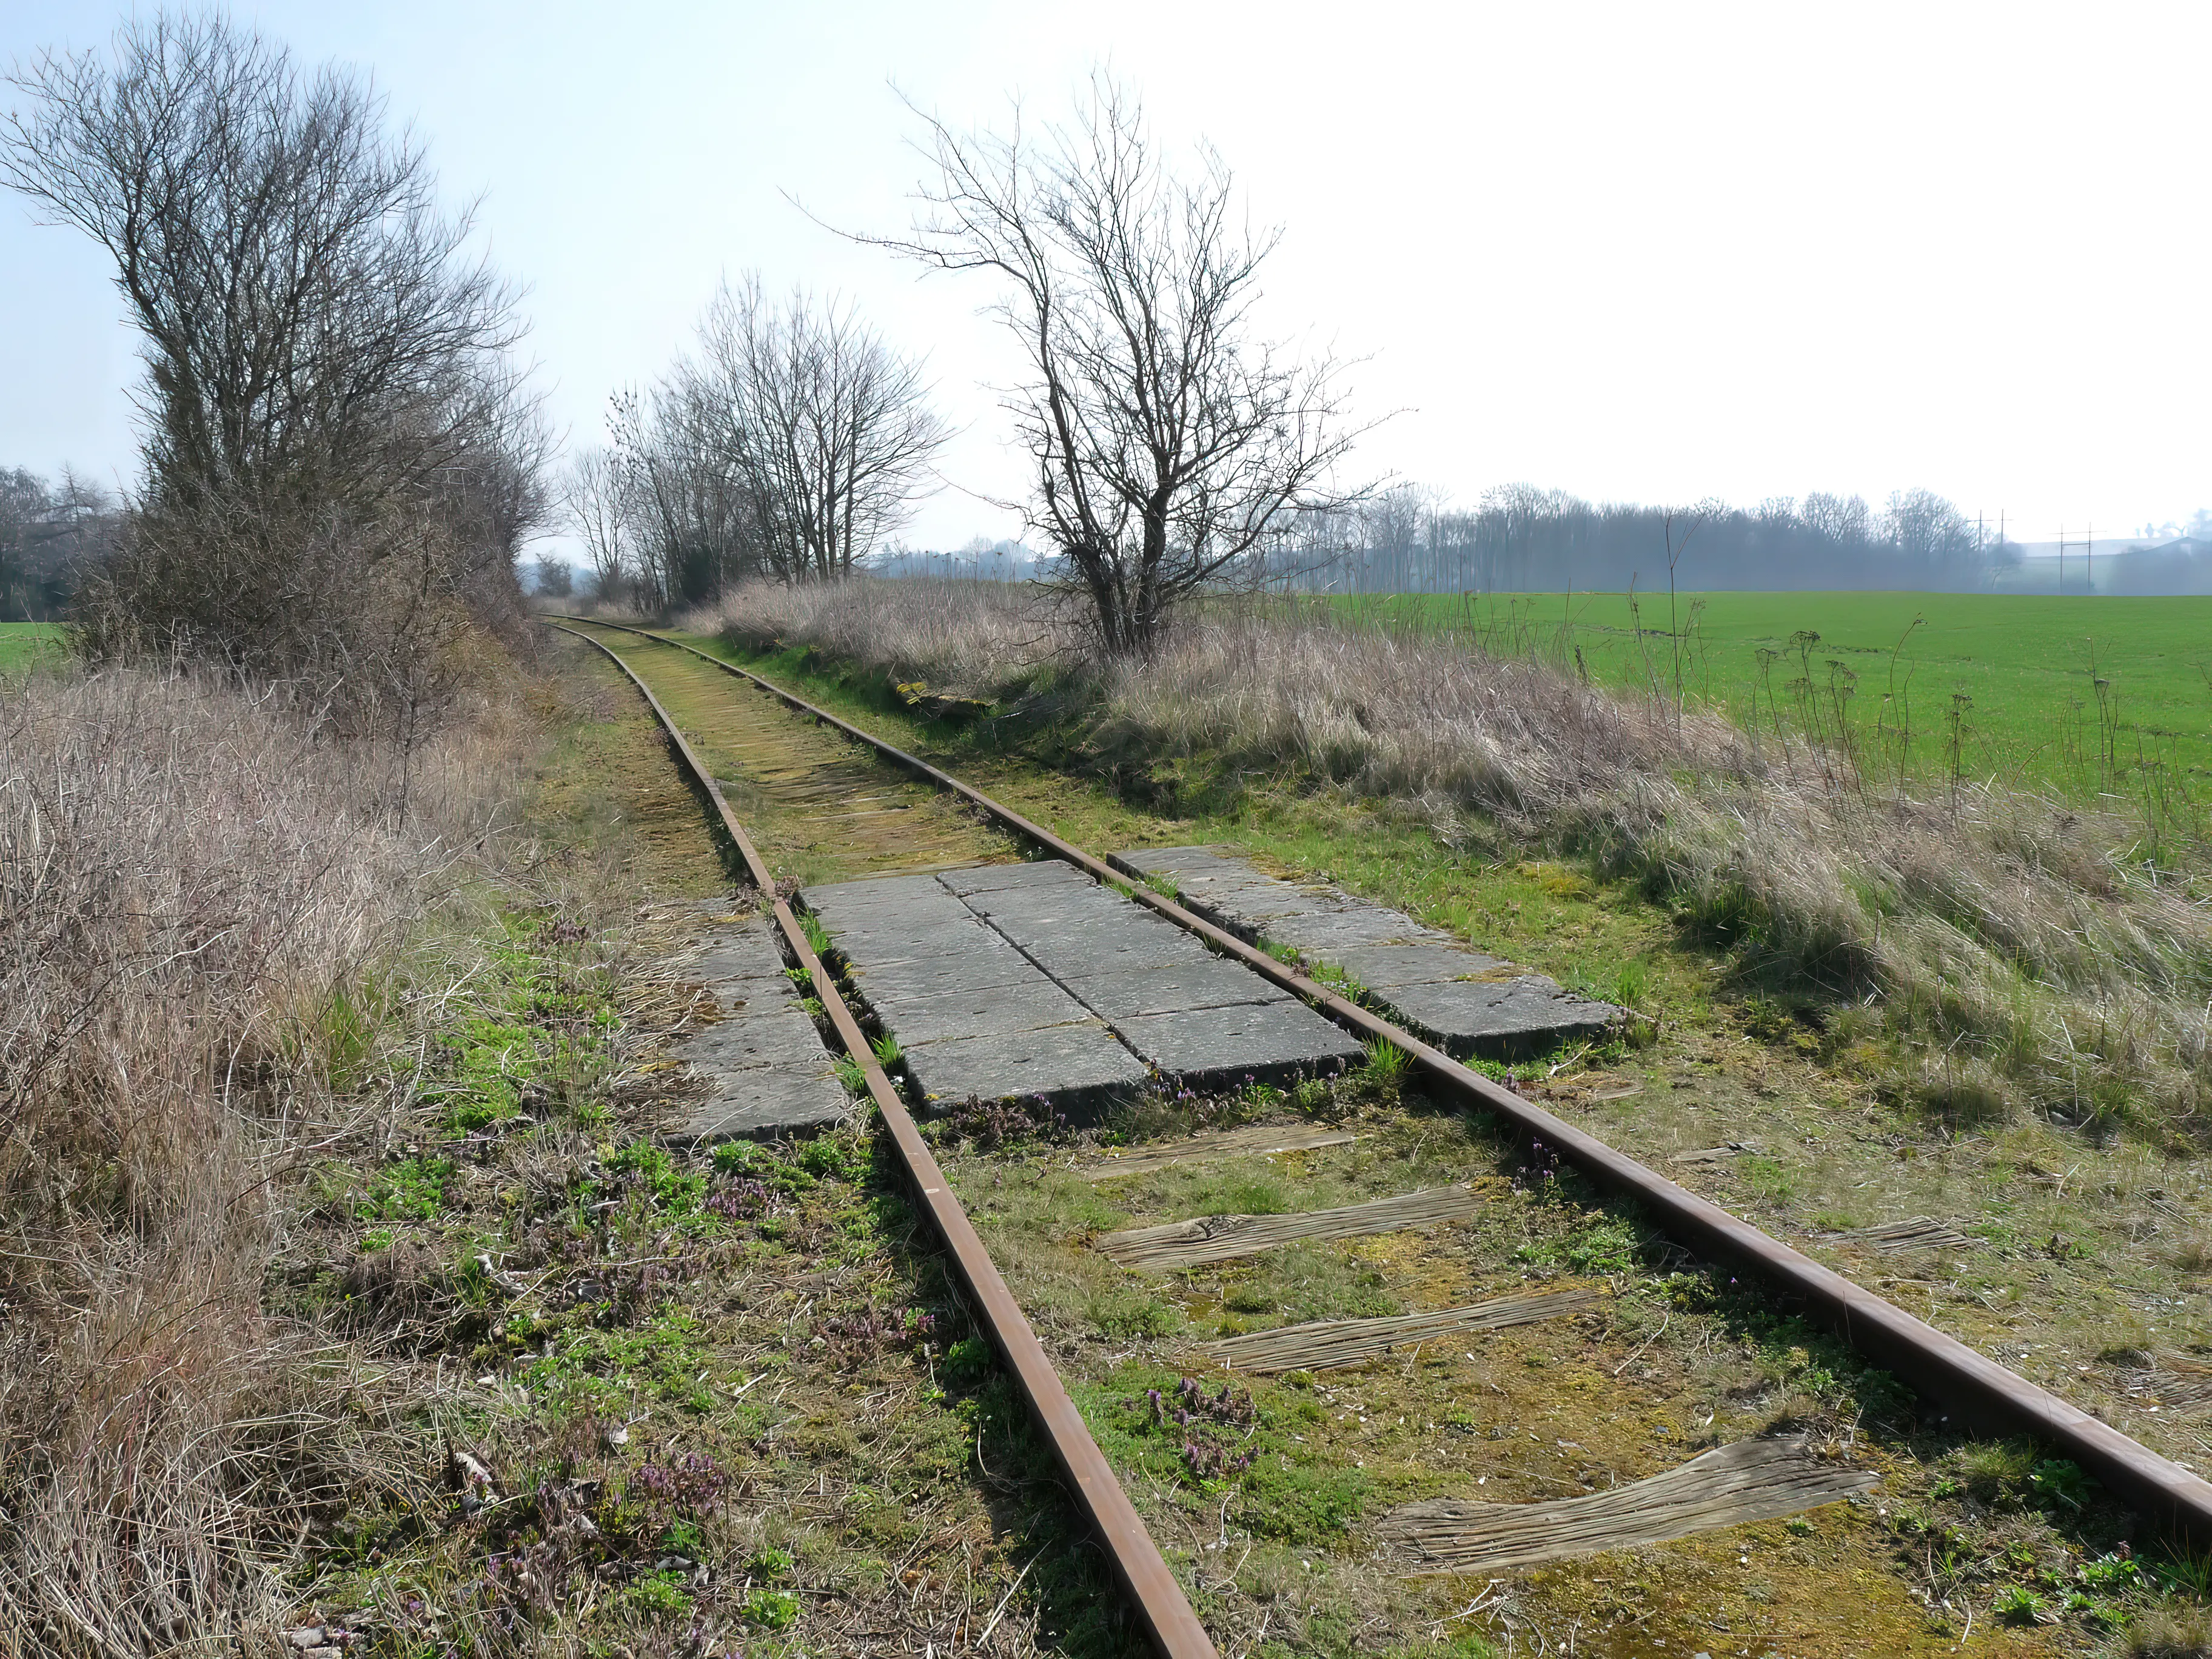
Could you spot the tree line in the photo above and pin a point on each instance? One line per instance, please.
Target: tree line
(51, 532)
(1518, 539)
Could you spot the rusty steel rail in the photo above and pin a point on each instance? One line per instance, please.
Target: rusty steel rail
(1972, 1388)
(1160, 1605)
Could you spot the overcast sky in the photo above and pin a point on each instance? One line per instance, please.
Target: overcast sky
(1649, 252)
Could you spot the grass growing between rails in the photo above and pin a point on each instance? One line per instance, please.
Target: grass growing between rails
(2083, 696)
(1264, 1489)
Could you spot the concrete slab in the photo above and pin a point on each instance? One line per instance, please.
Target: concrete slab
(1520, 1017)
(994, 877)
(1471, 1001)
(1032, 979)
(1327, 934)
(985, 965)
(1268, 1039)
(1379, 966)
(745, 946)
(766, 1103)
(773, 1036)
(863, 898)
(1069, 1065)
(762, 1069)
(1110, 946)
(995, 1011)
(909, 932)
(1044, 903)
(1130, 993)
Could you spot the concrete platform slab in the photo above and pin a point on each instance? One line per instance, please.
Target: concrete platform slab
(1129, 993)
(1070, 887)
(990, 963)
(995, 878)
(745, 949)
(995, 985)
(1471, 1001)
(766, 1103)
(1268, 1039)
(1379, 966)
(1088, 949)
(761, 1070)
(865, 898)
(1510, 1020)
(779, 1034)
(1333, 931)
(1069, 1065)
(993, 1010)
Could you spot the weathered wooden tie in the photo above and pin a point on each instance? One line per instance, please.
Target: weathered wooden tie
(1225, 1237)
(1332, 1342)
(1750, 1480)
(1260, 1141)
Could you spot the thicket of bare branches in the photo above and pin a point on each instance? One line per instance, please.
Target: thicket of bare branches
(2006, 940)
(1169, 440)
(339, 463)
(789, 443)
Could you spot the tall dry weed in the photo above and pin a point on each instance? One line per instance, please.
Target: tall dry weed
(2014, 943)
(188, 874)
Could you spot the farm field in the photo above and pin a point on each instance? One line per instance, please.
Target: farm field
(2081, 695)
(21, 642)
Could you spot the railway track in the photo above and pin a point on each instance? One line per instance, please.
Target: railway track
(905, 842)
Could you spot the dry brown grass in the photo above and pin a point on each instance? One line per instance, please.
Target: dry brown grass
(188, 874)
(2014, 946)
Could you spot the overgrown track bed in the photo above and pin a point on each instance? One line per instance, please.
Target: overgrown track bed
(1155, 1597)
(1111, 1333)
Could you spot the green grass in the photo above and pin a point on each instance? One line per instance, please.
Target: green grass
(1891, 664)
(23, 643)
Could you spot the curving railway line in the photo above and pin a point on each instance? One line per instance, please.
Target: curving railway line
(1075, 977)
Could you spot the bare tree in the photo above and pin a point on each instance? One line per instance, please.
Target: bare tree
(830, 429)
(687, 520)
(1168, 439)
(592, 498)
(1843, 519)
(1928, 531)
(307, 308)
(791, 443)
(327, 386)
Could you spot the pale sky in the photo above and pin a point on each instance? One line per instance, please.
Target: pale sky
(1635, 252)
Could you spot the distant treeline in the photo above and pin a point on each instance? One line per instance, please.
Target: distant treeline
(49, 533)
(1522, 539)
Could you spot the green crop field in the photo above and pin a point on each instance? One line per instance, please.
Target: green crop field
(2084, 696)
(21, 643)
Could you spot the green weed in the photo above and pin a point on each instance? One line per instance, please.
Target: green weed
(413, 1189)
(1386, 1068)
